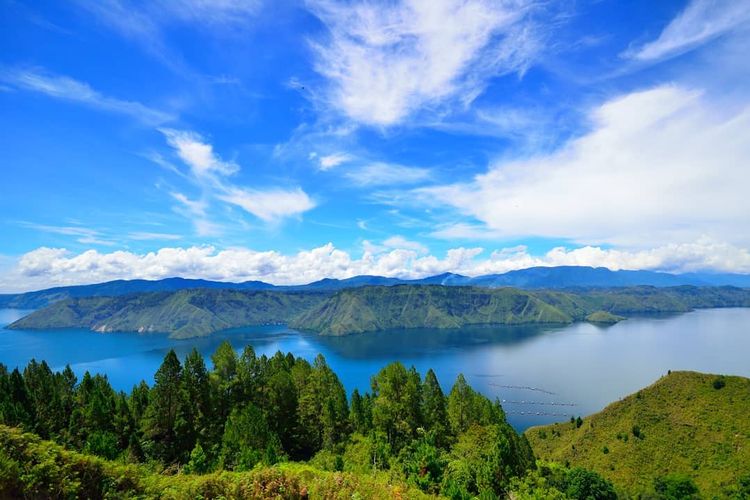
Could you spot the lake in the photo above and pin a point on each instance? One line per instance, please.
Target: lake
(543, 374)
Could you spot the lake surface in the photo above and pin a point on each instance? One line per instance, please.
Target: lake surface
(543, 374)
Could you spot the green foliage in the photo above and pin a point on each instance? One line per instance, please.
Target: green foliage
(719, 383)
(680, 425)
(588, 485)
(249, 413)
(675, 487)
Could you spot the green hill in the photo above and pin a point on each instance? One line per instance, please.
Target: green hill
(183, 314)
(688, 423)
(380, 308)
(200, 312)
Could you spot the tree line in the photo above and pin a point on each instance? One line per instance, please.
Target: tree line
(248, 410)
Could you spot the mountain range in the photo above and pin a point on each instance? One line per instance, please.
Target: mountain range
(559, 277)
(201, 312)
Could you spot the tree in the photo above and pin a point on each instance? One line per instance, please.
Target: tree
(434, 410)
(195, 401)
(248, 439)
(675, 486)
(588, 485)
(323, 409)
(160, 422)
(396, 404)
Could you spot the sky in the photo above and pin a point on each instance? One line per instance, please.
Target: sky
(291, 141)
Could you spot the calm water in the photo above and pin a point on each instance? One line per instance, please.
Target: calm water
(580, 368)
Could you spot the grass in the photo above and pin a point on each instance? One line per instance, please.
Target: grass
(686, 423)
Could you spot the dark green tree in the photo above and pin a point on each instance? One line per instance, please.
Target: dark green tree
(396, 404)
(434, 410)
(160, 424)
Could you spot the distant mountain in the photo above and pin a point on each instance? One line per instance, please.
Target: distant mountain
(531, 278)
(601, 277)
(200, 312)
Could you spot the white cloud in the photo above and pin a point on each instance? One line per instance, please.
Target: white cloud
(198, 154)
(45, 267)
(333, 160)
(210, 173)
(386, 60)
(663, 165)
(84, 235)
(401, 242)
(63, 87)
(270, 205)
(381, 174)
(149, 236)
(700, 22)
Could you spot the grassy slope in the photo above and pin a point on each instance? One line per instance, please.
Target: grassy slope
(184, 314)
(33, 468)
(378, 308)
(688, 426)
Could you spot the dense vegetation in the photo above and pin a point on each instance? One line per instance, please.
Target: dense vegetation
(249, 412)
(184, 314)
(366, 309)
(281, 427)
(689, 431)
(199, 312)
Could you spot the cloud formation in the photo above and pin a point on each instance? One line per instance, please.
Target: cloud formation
(659, 166)
(211, 173)
(397, 257)
(386, 60)
(382, 174)
(66, 88)
(700, 22)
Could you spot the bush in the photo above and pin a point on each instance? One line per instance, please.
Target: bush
(675, 487)
(719, 383)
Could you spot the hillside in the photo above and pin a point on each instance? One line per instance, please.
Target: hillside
(200, 312)
(380, 308)
(182, 314)
(690, 423)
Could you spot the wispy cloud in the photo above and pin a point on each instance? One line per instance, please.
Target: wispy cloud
(386, 60)
(328, 162)
(198, 154)
(212, 174)
(270, 205)
(382, 174)
(84, 235)
(147, 236)
(700, 22)
(66, 88)
(661, 165)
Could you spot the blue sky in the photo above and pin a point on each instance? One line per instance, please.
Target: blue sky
(290, 141)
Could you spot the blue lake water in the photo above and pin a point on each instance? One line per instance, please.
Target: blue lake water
(543, 374)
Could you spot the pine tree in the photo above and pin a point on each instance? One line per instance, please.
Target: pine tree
(434, 410)
(161, 420)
